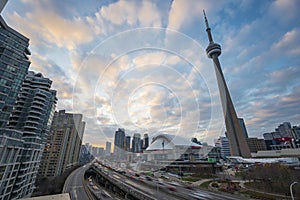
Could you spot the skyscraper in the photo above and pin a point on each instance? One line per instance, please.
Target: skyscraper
(243, 125)
(14, 63)
(127, 143)
(237, 140)
(119, 142)
(32, 115)
(107, 148)
(136, 143)
(146, 141)
(63, 144)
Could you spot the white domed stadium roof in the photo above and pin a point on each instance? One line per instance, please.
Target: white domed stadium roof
(167, 141)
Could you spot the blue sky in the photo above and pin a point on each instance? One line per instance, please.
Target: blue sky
(142, 65)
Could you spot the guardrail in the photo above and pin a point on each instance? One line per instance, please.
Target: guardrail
(87, 190)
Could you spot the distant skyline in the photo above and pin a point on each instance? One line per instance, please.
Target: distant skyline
(142, 66)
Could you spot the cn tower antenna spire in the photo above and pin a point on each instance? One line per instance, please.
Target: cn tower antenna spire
(206, 22)
(208, 29)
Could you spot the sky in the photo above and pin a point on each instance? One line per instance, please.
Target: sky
(142, 65)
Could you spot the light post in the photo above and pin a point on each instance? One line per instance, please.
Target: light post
(291, 189)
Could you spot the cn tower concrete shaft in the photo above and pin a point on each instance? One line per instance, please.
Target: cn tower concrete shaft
(237, 140)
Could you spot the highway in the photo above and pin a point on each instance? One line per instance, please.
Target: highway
(155, 188)
(162, 189)
(74, 184)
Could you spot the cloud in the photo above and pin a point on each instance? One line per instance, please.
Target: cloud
(289, 43)
(145, 13)
(47, 26)
(183, 13)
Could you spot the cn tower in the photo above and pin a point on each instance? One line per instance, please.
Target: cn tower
(237, 140)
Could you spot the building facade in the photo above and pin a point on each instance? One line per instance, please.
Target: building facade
(136, 143)
(14, 64)
(127, 143)
(107, 148)
(32, 115)
(223, 143)
(243, 125)
(63, 144)
(119, 143)
(256, 144)
(146, 141)
(29, 123)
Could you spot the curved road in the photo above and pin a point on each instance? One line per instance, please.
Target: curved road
(74, 184)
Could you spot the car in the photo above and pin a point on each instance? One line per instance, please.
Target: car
(174, 184)
(95, 187)
(148, 178)
(188, 187)
(172, 188)
(141, 179)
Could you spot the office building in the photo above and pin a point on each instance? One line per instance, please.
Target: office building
(285, 130)
(2, 4)
(107, 148)
(63, 144)
(296, 133)
(119, 144)
(127, 143)
(223, 143)
(88, 147)
(97, 151)
(271, 139)
(236, 137)
(243, 125)
(136, 143)
(284, 137)
(146, 141)
(85, 156)
(256, 144)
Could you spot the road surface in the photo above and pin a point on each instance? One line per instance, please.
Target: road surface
(74, 184)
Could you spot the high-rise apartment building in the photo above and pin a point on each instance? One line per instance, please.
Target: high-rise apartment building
(14, 63)
(32, 115)
(29, 124)
(237, 140)
(63, 144)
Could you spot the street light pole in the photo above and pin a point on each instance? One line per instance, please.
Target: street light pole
(291, 189)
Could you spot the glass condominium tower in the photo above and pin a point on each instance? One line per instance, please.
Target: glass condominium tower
(14, 64)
